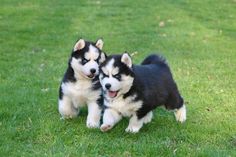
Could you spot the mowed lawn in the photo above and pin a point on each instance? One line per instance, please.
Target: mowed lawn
(198, 38)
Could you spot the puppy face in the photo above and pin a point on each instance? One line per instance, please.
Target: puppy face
(116, 75)
(86, 58)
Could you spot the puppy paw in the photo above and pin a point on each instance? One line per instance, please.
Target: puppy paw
(105, 127)
(148, 118)
(132, 129)
(180, 114)
(92, 124)
(64, 117)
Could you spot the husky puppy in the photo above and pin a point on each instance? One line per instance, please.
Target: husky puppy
(80, 84)
(135, 90)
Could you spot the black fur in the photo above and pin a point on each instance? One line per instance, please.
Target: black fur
(80, 53)
(96, 83)
(123, 69)
(60, 93)
(69, 74)
(153, 84)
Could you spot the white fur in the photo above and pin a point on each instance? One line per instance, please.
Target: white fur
(180, 114)
(126, 83)
(126, 107)
(115, 84)
(105, 71)
(135, 124)
(92, 54)
(148, 118)
(118, 108)
(79, 93)
(79, 45)
(84, 70)
(99, 43)
(90, 65)
(110, 66)
(67, 109)
(102, 58)
(122, 86)
(76, 95)
(126, 59)
(77, 67)
(110, 69)
(110, 118)
(94, 114)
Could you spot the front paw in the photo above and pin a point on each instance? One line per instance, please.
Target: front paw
(65, 117)
(92, 123)
(132, 129)
(180, 114)
(105, 127)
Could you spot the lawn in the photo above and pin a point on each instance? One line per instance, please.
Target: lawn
(198, 38)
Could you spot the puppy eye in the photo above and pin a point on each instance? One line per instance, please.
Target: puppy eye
(104, 75)
(117, 76)
(97, 60)
(84, 61)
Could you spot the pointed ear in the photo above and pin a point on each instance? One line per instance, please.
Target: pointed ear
(126, 59)
(99, 43)
(103, 57)
(79, 45)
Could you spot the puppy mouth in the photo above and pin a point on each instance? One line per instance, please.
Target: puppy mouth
(112, 94)
(91, 76)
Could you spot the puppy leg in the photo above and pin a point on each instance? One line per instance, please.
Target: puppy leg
(180, 114)
(135, 124)
(110, 118)
(176, 103)
(148, 117)
(94, 115)
(66, 109)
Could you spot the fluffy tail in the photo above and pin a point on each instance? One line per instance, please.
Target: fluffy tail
(154, 59)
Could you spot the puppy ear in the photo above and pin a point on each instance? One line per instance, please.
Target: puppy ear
(103, 57)
(126, 59)
(99, 43)
(79, 45)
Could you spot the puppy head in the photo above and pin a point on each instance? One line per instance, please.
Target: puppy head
(86, 57)
(116, 75)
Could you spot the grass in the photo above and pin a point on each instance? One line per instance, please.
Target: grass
(198, 38)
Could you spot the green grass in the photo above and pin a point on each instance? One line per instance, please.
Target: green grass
(198, 39)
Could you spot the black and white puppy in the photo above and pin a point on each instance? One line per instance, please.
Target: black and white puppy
(80, 85)
(135, 90)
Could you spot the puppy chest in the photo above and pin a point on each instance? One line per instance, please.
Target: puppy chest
(126, 108)
(79, 90)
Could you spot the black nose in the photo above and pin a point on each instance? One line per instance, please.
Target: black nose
(92, 71)
(108, 86)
